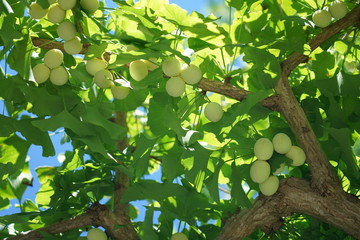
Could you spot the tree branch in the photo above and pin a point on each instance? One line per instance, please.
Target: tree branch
(97, 215)
(52, 44)
(92, 217)
(293, 195)
(231, 91)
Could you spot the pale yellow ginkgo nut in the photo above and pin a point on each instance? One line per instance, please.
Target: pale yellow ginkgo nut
(96, 234)
(56, 14)
(66, 30)
(90, 5)
(103, 78)
(138, 70)
(297, 155)
(59, 76)
(192, 74)
(321, 18)
(67, 4)
(179, 236)
(151, 64)
(171, 67)
(94, 65)
(175, 86)
(269, 186)
(120, 92)
(260, 171)
(263, 149)
(41, 73)
(73, 46)
(281, 143)
(338, 9)
(53, 58)
(36, 11)
(213, 112)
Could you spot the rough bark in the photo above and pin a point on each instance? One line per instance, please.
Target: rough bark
(231, 91)
(52, 44)
(294, 195)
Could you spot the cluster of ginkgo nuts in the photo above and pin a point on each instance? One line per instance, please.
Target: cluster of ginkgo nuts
(98, 234)
(97, 67)
(56, 14)
(178, 78)
(66, 30)
(171, 67)
(260, 170)
(51, 68)
(322, 17)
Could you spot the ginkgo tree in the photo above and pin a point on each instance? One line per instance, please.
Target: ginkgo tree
(147, 89)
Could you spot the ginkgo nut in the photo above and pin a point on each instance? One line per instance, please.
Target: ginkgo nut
(94, 65)
(192, 74)
(171, 67)
(73, 46)
(260, 171)
(297, 155)
(281, 143)
(138, 70)
(103, 78)
(151, 64)
(59, 76)
(179, 236)
(66, 30)
(213, 112)
(96, 234)
(263, 149)
(120, 92)
(56, 14)
(36, 11)
(269, 186)
(41, 72)
(53, 58)
(67, 4)
(175, 86)
(321, 18)
(338, 9)
(90, 5)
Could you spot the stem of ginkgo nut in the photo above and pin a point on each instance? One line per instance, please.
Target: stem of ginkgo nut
(227, 79)
(188, 107)
(101, 95)
(255, 130)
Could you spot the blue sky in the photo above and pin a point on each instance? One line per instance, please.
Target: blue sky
(192, 5)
